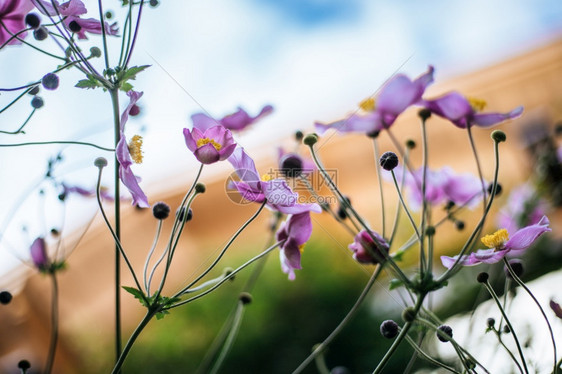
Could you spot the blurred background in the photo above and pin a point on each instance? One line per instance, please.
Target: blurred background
(312, 60)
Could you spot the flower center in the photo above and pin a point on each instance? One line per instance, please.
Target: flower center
(204, 141)
(497, 239)
(301, 248)
(368, 105)
(266, 177)
(135, 149)
(477, 105)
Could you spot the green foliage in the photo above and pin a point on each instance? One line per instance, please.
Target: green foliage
(160, 304)
(91, 82)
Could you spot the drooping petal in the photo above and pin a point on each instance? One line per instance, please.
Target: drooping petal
(203, 122)
(12, 15)
(299, 227)
(38, 251)
(355, 123)
(240, 119)
(452, 106)
(491, 119)
(525, 237)
(556, 308)
(243, 165)
(92, 26)
(132, 183)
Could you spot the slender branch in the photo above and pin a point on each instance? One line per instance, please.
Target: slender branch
(59, 142)
(54, 324)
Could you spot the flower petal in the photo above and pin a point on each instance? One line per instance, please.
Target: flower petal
(524, 238)
(491, 119)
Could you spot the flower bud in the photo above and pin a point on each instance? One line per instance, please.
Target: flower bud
(498, 136)
(516, 266)
(388, 161)
(200, 188)
(459, 225)
(410, 144)
(34, 91)
(245, 298)
(424, 114)
(447, 330)
(161, 210)
(389, 329)
(37, 102)
(498, 189)
(24, 365)
(74, 26)
(32, 20)
(5, 297)
(100, 162)
(291, 165)
(41, 33)
(154, 3)
(184, 217)
(409, 314)
(482, 277)
(490, 322)
(299, 135)
(310, 139)
(95, 52)
(50, 81)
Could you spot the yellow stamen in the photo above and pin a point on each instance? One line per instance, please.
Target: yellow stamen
(135, 149)
(497, 239)
(477, 105)
(368, 105)
(201, 142)
(301, 248)
(266, 177)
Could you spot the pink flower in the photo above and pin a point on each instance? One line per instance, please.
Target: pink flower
(12, 15)
(292, 164)
(465, 112)
(209, 145)
(38, 251)
(236, 121)
(394, 98)
(295, 232)
(501, 245)
(363, 247)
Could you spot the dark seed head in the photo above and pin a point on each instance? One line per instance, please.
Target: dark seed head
(37, 102)
(424, 114)
(5, 297)
(389, 329)
(447, 330)
(291, 165)
(135, 110)
(516, 266)
(74, 26)
(498, 189)
(490, 322)
(310, 139)
(50, 81)
(299, 135)
(24, 365)
(34, 91)
(161, 210)
(498, 136)
(388, 161)
(482, 277)
(409, 314)
(41, 33)
(459, 225)
(245, 298)
(154, 3)
(32, 20)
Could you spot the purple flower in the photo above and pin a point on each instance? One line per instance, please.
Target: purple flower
(295, 232)
(124, 152)
(524, 207)
(71, 12)
(209, 145)
(500, 245)
(66, 190)
(12, 15)
(293, 165)
(39, 256)
(278, 194)
(441, 186)
(236, 121)
(395, 97)
(464, 112)
(364, 247)
(556, 308)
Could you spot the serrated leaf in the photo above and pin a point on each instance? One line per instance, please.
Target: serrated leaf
(91, 82)
(126, 87)
(136, 293)
(395, 283)
(131, 73)
(161, 314)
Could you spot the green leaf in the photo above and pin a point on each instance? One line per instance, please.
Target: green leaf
(395, 283)
(136, 293)
(161, 314)
(91, 82)
(130, 73)
(126, 87)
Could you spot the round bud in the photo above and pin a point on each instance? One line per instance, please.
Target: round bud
(184, 217)
(409, 314)
(74, 26)
(388, 161)
(339, 370)
(227, 272)
(291, 165)
(447, 330)
(135, 110)
(389, 329)
(482, 277)
(506, 329)
(24, 365)
(100, 162)
(424, 114)
(34, 91)
(245, 298)
(450, 205)
(373, 134)
(161, 210)
(37, 102)
(95, 52)
(459, 225)
(32, 20)
(50, 81)
(5, 297)
(498, 189)
(154, 3)
(310, 139)
(498, 136)
(490, 322)
(200, 188)
(109, 14)
(55, 232)
(410, 144)
(516, 266)
(299, 135)
(430, 231)
(109, 72)
(41, 33)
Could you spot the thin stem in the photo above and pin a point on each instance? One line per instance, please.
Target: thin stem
(15, 100)
(29, 44)
(520, 282)
(322, 346)
(498, 302)
(475, 153)
(379, 179)
(405, 207)
(59, 142)
(236, 322)
(54, 324)
(513, 358)
(150, 252)
(397, 216)
(19, 130)
(137, 26)
(103, 35)
(424, 203)
(428, 357)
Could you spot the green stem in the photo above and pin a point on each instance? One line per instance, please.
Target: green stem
(475, 153)
(497, 333)
(379, 179)
(54, 324)
(322, 346)
(236, 322)
(59, 142)
(405, 207)
(123, 355)
(428, 357)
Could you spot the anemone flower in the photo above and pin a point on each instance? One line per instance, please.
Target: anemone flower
(277, 194)
(500, 245)
(38, 251)
(209, 145)
(236, 121)
(442, 185)
(71, 11)
(295, 232)
(293, 165)
(464, 112)
(12, 15)
(395, 97)
(363, 245)
(123, 154)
